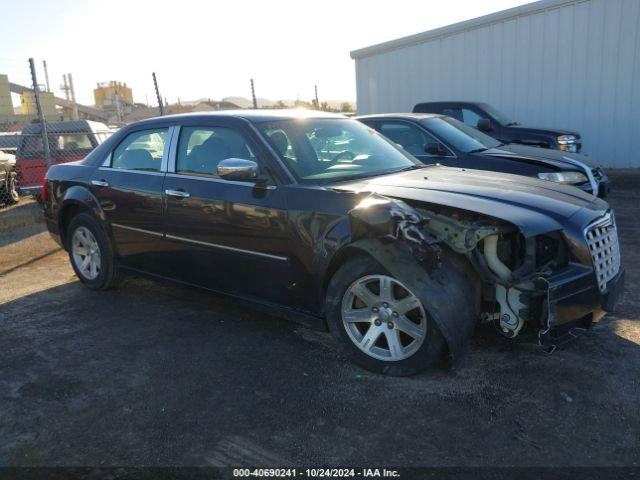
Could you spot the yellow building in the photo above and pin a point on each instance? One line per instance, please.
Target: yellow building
(104, 95)
(6, 105)
(28, 104)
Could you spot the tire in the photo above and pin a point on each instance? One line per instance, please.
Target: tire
(85, 234)
(13, 196)
(413, 355)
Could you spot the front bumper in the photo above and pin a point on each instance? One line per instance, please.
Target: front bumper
(574, 295)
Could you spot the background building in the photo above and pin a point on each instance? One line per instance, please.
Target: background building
(104, 95)
(6, 105)
(47, 102)
(558, 63)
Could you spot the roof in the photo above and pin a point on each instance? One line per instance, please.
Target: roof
(413, 116)
(70, 126)
(264, 115)
(478, 22)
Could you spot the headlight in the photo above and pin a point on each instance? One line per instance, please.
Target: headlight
(567, 178)
(566, 139)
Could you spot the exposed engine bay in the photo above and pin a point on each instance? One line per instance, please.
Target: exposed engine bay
(513, 269)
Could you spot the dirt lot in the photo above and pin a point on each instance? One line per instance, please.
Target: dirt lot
(157, 374)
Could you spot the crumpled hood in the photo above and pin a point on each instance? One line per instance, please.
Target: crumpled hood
(534, 206)
(557, 158)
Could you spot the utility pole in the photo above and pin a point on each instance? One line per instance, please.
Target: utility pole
(317, 102)
(46, 75)
(65, 86)
(43, 123)
(253, 95)
(155, 84)
(73, 97)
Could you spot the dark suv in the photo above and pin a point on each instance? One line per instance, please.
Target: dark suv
(496, 124)
(321, 219)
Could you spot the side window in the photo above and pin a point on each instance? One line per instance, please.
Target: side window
(410, 137)
(200, 149)
(141, 151)
(470, 117)
(453, 112)
(74, 141)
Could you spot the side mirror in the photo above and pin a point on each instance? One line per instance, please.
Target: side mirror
(238, 169)
(434, 148)
(484, 124)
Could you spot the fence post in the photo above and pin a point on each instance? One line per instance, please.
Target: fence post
(160, 105)
(43, 122)
(253, 95)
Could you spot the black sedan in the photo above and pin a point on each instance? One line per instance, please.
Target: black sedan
(445, 140)
(321, 219)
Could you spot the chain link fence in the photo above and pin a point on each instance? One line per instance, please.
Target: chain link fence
(25, 156)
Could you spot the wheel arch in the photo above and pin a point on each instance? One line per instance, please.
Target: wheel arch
(76, 200)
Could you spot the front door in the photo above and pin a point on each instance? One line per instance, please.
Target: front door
(414, 139)
(225, 235)
(129, 189)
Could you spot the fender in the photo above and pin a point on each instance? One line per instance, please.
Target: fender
(450, 293)
(79, 195)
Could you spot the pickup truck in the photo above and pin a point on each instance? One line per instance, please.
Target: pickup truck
(8, 183)
(69, 141)
(497, 125)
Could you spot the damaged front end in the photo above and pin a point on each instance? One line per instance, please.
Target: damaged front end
(470, 266)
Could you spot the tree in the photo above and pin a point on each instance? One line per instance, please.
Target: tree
(346, 107)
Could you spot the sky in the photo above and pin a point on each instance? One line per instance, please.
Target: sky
(210, 49)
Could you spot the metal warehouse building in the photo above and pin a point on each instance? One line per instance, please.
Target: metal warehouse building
(554, 63)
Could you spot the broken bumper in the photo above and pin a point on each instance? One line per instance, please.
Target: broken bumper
(574, 295)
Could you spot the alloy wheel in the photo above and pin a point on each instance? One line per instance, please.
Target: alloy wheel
(86, 253)
(383, 318)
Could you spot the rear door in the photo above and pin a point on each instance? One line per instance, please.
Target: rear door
(129, 189)
(226, 235)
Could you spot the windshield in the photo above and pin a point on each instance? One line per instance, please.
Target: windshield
(460, 136)
(500, 117)
(333, 149)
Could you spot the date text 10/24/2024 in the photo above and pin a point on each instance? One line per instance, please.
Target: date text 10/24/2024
(315, 473)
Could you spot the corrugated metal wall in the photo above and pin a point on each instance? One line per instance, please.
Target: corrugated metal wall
(574, 66)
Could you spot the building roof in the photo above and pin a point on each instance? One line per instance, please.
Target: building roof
(478, 22)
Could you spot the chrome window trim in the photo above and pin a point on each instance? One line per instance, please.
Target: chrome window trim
(167, 151)
(173, 149)
(221, 180)
(224, 247)
(139, 172)
(106, 163)
(139, 230)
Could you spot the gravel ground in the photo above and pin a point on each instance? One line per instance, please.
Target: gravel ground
(159, 374)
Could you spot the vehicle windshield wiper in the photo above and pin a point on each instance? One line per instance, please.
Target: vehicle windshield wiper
(476, 150)
(512, 124)
(356, 176)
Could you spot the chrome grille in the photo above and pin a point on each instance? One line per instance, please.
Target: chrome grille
(602, 238)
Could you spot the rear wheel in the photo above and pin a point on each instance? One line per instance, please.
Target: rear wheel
(379, 322)
(91, 253)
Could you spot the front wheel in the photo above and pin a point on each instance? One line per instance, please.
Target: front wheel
(10, 192)
(91, 253)
(379, 322)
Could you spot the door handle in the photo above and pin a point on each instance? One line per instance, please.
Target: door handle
(178, 193)
(99, 183)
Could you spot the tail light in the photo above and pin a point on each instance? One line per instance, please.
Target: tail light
(43, 190)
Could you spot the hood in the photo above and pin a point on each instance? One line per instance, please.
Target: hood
(544, 130)
(558, 159)
(534, 206)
